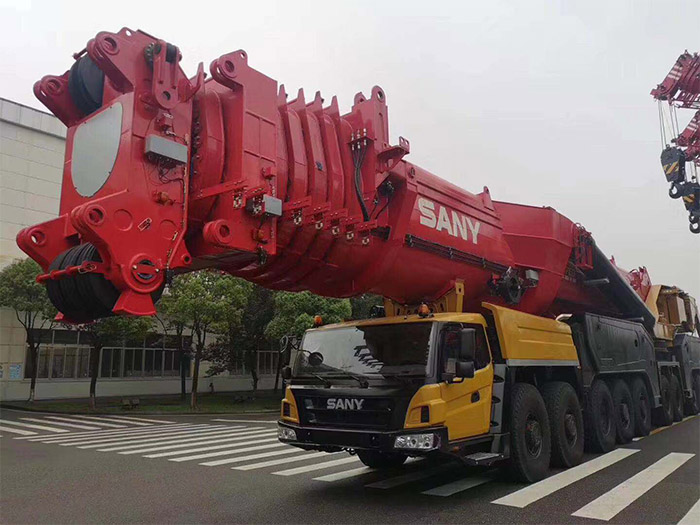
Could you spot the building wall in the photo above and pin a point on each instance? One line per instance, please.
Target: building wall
(32, 147)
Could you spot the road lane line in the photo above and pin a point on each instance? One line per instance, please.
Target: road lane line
(282, 461)
(17, 431)
(213, 447)
(253, 421)
(242, 459)
(614, 501)
(523, 497)
(218, 437)
(229, 452)
(81, 422)
(337, 476)
(458, 486)
(37, 427)
(60, 423)
(102, 433)
(316, 466)
(142, 419)
(90, 420)
(693, 515)
(396, 481)
(201, 432)
(103, 438)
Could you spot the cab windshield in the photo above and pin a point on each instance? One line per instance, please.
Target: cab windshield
(377, 350)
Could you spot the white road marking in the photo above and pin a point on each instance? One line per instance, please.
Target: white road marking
(108, 442)
(316, 466)
(614, 501)
(523, 497)
(218, 437)
(90, 420)
(458, 486)
(282, 461)
(693, 515)
(253, 421)
(37, 427)
(229, 452)
(143, 419)
(345, 474)
(104, 438)
(241, 459)
(390, 483)
(81, 422)
(101, 433)
(17, 431)
(213, 447)
(60, 424)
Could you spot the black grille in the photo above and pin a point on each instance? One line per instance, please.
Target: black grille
(375, 412)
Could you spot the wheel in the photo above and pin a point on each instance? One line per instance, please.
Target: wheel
(530, 436)
(624, 412)
(695, 227)
(696, 394)
(376, 459)
(565, 422)
(664, 414)
(676, 399)
(599, 418)
(674, 191)
(642, 407)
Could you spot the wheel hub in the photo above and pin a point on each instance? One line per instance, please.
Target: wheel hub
(533, 436)
(570, 430)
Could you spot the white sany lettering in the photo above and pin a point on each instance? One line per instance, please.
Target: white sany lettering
(344, 404)
(427, 213)
(458, 226)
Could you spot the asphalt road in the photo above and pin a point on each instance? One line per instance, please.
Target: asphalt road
(65, 473)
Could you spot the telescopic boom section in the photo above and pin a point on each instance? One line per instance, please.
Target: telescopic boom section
(169, 174)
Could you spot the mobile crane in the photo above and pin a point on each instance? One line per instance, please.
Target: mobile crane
(505, 329)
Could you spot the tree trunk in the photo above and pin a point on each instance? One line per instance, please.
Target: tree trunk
(34, 363)
(183, 370)
(195, 379)
(94, 370)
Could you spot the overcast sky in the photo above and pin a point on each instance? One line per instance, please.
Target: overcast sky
(545, 102)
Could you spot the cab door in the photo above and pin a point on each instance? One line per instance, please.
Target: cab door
(468, 400)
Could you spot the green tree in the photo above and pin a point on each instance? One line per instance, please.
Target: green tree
(110, 330)
(295, 311)
(362, 304)
(20, 292)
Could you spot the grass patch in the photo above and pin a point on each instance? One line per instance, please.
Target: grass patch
(219, 403)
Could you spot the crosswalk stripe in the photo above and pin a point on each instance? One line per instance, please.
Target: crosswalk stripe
(282, 461)
(17, 431)
(213, 447)
(169, 445)
(316, 466)
(143, 419)
(614, 501)
(253, 421)
(108, 442)
(81, 420)
(251, 457)
(104, 437)
(120, 419)
(523, 497)
(37, 427)
(345, 474)
(95, 418)
(60, 423)
(693, 515)
(100, 433)
(390, 483)
(458, 486)
(218, 437)
(229, 452)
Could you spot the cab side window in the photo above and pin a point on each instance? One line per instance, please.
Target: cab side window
(450, 344)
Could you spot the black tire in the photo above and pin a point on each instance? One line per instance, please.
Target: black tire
(530, 435)
(376, 459)
(694, 227)
(676, 399)
(565, 423)
(624, 412)
(664, 414)
(695, 404)
(642, 407)
(599, 418)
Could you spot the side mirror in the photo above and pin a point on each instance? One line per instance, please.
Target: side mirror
(467, 344)
(464, 369)
(287, 373)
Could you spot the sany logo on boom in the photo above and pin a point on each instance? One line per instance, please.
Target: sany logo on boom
(455, 224)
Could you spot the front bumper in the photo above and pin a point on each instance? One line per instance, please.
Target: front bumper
(334, 439)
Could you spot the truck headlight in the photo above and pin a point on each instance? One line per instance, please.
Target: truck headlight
(416, 441)
(286, 434)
